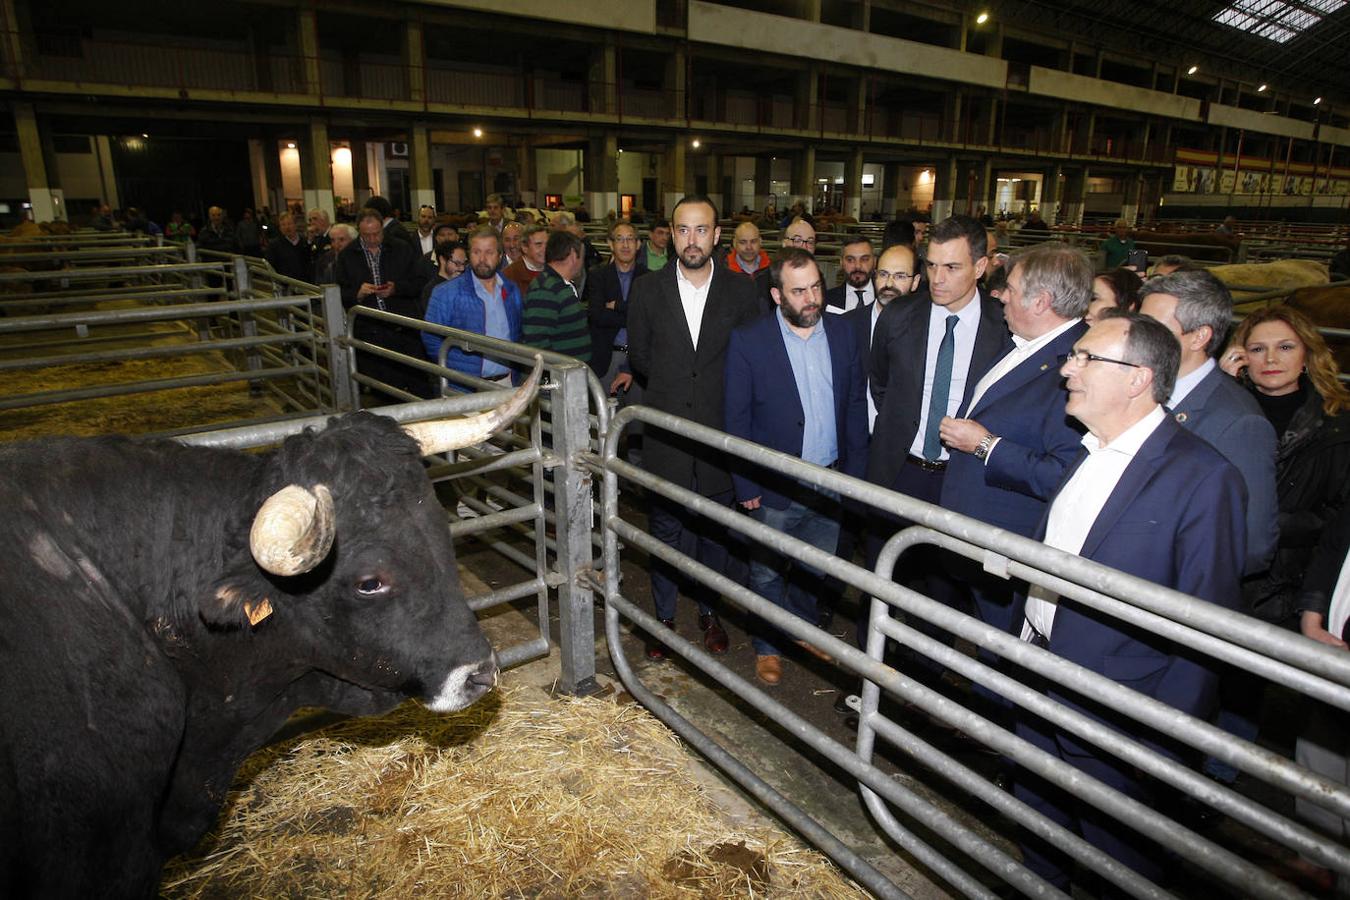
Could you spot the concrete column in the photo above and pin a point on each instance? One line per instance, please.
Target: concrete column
(1129, 209)
(808, 99)
(803, 177)
(952, 117)
(891, 181)
(262, 59)
(423, 189)
(257, 173)
(763, 181)
(865, 16)
(316, 169)
(525, 184)
(602, 174)
(275, 196)
(1050, 194)
(1075, 195)
(944, 188)
(853, 172)
(673, 174)
(604, 76)
(716, 189)
(16, 61)
(811, 10)
(307, 27)
(414, 60)
(48, 204)
(984, 186)
(676, 83)
(107, 178)
(361, 191)
(1090, 129)
(858, 122)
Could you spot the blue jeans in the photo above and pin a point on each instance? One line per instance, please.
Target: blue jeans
(796, 591)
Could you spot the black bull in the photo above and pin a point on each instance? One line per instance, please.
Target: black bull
(166, 608)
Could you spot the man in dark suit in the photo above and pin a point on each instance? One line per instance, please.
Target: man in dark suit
(856, 261)
(926, 361)
(607, 290)
(288, 252)
(794, 383)
(1012, 442)
(679, 321)
(1197, 308)
(385, 275)
(393, 228)
(1153, 500)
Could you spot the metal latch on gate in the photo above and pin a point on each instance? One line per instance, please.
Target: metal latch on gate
(996, 564)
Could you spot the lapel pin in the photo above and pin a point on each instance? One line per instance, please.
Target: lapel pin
(1181, 417)
(1044, 366)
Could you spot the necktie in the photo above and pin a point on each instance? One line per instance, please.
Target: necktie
(942, 385)
(859, 292)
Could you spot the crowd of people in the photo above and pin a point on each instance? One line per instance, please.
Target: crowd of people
(1106, 414)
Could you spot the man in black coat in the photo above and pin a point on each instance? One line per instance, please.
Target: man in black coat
(679, 322)
(288, 253)
(393, 228)
(384, 275)
(607, 292)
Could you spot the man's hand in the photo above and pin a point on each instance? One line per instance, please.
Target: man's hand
(752, 503)
(366, 289)
(961, 434)
(622, 382)
(386, 289)
(613, 304)
(1313, 626)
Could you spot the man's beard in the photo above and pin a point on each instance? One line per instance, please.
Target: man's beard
(806, 317)
(887, 294)
(693, 257)
(858, 278)
(483, 271)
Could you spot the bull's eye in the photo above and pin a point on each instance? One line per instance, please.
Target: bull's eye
(371, 586)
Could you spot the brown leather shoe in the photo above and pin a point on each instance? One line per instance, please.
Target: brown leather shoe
(768, 669)
(714, 637)
(656, 649)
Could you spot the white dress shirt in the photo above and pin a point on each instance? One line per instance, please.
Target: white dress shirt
(872, 404)
(851, 298)
(1186, 383)
(426, 242)
(1022, 350)
(968, 322)
(693, 299)
(1078, 504)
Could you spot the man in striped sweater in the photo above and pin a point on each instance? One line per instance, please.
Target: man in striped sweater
(554, 317)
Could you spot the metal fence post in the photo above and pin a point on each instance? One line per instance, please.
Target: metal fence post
(574, 508)
(248, 326)
(339, 357)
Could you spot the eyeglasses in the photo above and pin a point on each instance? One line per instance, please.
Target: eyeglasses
(800, 241)
(1081, 358)
(884, 276)
(624, 239)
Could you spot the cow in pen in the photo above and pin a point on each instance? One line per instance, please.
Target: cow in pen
(165, 608)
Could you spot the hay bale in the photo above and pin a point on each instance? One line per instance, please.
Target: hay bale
(519, 796)
(1282, 273)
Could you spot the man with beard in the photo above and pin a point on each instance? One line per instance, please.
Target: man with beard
(384, 275)
(794, 383)
(856, 262)
(679, 321)
(485, 303)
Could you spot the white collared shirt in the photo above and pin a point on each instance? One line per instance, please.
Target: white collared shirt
(968, 323)
(851, 298)
(1022, 350)
(1078, 504)
(1186, 383)
(427, 242)
(872, 404)
(693, 300)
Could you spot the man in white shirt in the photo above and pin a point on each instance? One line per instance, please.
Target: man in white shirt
(856, 262)
(680, 319)
(1151, 499)
(426, 226)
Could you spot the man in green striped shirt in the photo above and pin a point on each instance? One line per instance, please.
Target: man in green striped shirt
(554, 317)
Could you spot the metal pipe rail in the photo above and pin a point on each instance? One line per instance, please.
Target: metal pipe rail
(143, 314)
(1187, 620)
(97, 255)
(115, 272)
(102, 297)
(99, 356)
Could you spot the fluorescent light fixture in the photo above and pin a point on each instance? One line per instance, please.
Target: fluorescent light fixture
(869, 179)
(1276, 20)
(1260, 89)
(982, 18)
(1317, 101)
(1192, 70)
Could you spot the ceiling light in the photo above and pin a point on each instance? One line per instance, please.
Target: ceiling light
(620, 149)
(290, 145)
(982, 18)
(696, 144)
(1260, 88)
(478, 132)
(144, 135)
(1317, 101)
(1192, 70)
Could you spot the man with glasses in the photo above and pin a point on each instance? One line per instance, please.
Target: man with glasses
(1153, 500)
(607, 290)
(680, 319)
(800, 234)
(856, 261)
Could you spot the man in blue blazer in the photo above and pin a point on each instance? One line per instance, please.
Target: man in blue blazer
(1151, 499)
(794, 383)
(1012, 442)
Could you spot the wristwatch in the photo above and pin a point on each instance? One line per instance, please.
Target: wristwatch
(982, 448)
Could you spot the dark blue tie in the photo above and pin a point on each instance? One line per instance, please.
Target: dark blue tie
(942, 386)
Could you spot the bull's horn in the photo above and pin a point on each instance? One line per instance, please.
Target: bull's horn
(444, 435)
(293, 530)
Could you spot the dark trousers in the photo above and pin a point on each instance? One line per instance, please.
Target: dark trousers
(396, 374)
(680, 528)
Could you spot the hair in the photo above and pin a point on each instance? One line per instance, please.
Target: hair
(133, 212)
(1175, 259)
(513, 224)
(444, 226)
(1125, 284)
(369, 212)
(562, 244)
(855, 239)
(1202, 300)
(620, 223)
(320, 212)
(1150, 344)
(958, 227)
(1059, 270)
(792, 258)
(661, 223)
(564, 219)
(494, 198)
(693, 198)
(1119, 222)
(898, 231)
(484, 232)
(996, 280)
(446, 249)
(427, 206)
(1320, 363)
(381, 206)
(346, 229)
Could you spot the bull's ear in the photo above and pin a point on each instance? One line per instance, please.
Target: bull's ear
(242, 601)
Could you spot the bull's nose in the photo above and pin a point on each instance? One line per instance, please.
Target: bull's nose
(486, 674)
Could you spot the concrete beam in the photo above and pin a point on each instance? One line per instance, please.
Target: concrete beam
(316, 169)
(420, 184)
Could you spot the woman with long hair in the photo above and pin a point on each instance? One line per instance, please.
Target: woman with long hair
(1114, 289)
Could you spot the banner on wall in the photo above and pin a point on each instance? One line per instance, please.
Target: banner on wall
(1197, 172)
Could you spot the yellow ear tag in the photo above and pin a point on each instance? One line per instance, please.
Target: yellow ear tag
(259, 612)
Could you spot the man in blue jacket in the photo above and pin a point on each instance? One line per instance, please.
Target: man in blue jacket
(481, 301)
(794, 382)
